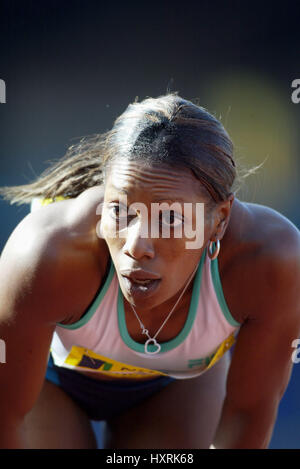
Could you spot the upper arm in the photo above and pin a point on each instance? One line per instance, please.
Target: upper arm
(27, 319)
(49, 273)
(261, 364)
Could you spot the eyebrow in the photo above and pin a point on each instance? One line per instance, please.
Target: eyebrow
(177, 199)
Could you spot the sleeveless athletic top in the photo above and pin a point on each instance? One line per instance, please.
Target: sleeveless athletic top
(99, 341)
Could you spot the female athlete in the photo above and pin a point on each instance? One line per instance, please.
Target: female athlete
(123, 290)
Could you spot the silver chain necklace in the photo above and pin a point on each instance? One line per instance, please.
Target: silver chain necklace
(146, 332)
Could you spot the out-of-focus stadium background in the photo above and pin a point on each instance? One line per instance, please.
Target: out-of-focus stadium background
(71, 67)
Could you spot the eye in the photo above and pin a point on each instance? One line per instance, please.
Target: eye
(117, 211)
(171, 218)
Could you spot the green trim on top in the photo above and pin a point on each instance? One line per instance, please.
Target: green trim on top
(169, 345)
(95, 303)
(215, 275)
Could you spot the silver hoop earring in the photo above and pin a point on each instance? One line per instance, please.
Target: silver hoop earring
(213, 255)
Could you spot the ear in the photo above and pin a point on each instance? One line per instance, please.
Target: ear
(223, 212)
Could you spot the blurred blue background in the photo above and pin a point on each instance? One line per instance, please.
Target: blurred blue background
(71, 67)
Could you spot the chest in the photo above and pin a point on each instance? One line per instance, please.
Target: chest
(171, 329)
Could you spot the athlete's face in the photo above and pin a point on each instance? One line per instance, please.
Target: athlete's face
(140, 237)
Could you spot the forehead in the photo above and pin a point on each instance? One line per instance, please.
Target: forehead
(157, 179)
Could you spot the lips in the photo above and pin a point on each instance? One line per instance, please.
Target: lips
(140, 290)
(140, 283)
(139, 275)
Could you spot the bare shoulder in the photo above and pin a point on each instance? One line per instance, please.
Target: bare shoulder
(271, 224)
(55, 257)
(70, 216)
(277, 240)
(265, 263)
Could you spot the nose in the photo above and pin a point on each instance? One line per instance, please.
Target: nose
(138, 244)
